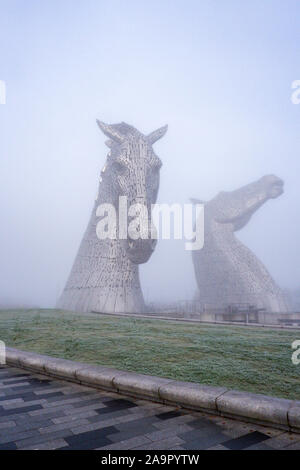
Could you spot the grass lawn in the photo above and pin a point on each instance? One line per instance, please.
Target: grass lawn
(249, 358)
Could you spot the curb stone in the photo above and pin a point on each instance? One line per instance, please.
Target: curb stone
(262, 409)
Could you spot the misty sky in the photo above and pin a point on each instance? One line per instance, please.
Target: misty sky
(218, 72)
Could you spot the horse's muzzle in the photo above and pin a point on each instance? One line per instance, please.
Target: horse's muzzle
(139, 251)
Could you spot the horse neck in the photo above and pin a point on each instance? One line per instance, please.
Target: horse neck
(218, 237)
(230, 250)
(110, 254)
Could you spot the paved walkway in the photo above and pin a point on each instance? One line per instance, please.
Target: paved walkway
(41, 413)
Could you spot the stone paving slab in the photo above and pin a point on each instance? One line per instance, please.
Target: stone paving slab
(115, 422)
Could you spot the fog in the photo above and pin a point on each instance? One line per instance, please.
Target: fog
(218, 73)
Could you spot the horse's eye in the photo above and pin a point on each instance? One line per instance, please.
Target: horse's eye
(119, 167)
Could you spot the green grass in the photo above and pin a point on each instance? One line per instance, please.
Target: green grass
(249, 358)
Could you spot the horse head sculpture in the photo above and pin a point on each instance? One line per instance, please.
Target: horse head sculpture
(105, 277)
(227, 272)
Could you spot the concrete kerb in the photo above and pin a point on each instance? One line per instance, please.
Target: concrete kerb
(255, 408)
(276, 412)
(191, 395)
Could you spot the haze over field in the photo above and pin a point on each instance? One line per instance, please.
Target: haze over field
(219, 73)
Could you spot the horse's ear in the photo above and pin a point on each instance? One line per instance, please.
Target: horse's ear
(111, 132)
(197, 201)
(156, 135)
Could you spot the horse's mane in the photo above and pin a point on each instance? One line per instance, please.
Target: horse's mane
(126, 129)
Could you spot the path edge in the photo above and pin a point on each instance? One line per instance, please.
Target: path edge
(254, 408)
